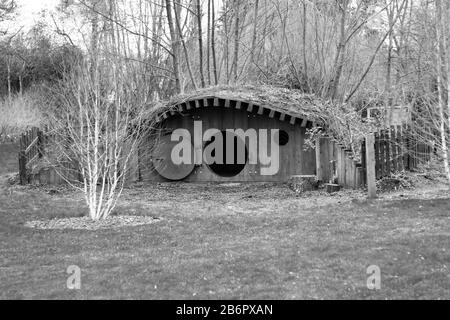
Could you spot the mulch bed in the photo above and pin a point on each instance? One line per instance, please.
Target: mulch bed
(86, 223)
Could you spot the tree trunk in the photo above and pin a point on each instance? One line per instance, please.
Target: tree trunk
(388, 98)
(340, 52)
(186, 54)
(305, 65)
(208, 42)
(236, 40)
(175, 46)
(440, 82)
(226, 42)
(9, 78)
(255, 31)
(200, 42)
(213, 42)
(94, 41)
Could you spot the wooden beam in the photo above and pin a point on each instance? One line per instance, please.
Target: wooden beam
(304, 122)
(32, 144)
(227, 103)
(198, 144)
(238, 104)
(250, 107)
(205, 102)
(216, 102)
(271, 114)
(261, 110)
(188, 105)
(282, 116)
(197, 104)
(292, 120)
(370, 166)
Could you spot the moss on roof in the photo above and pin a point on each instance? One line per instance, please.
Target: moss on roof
(339, 121)
(291, 102)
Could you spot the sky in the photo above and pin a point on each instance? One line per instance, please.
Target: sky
(28, 11)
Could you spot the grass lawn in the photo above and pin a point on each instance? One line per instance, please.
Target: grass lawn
(230, 242)
(8, 157)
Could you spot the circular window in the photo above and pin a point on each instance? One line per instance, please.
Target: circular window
(228, 168)
(283, 138)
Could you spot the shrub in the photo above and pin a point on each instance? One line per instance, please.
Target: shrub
(17, 115)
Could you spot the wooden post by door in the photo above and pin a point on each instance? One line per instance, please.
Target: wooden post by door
(319, 172)
(370, 166)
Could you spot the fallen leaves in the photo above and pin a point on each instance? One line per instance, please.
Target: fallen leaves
(86, 223)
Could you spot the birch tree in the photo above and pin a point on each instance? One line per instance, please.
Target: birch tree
(442, 66)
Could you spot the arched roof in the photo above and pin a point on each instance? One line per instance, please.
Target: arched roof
(285, 104)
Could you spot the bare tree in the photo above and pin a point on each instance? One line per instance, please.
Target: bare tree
(340, 52)
(98, 125)
(200, 42)
(441, 19)
(255, 30)
(208, 43)
(236, 39)
(186, 53)
(175, 46)
(213, 42)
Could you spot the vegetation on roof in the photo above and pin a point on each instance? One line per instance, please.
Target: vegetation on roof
(291, 102)
(338, 120)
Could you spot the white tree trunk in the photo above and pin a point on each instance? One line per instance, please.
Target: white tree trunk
(441, 43)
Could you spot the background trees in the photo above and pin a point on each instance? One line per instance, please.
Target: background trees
(342, 50)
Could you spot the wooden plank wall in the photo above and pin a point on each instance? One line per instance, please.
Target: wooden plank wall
(338, 166)
(294, 160)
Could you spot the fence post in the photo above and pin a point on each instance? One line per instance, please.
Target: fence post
(40, 144)
(370, 166)
(319, 172)
(22, 168)
(363, 163)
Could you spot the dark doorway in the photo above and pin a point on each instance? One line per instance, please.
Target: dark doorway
(231, 169)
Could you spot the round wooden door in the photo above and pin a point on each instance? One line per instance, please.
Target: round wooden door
(162, 161)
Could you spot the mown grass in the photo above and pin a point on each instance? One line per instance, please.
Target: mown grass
(9, 155)
(223, 242)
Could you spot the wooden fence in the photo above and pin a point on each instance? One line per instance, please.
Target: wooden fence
(397, 150)
(30, 149)
(33, 145)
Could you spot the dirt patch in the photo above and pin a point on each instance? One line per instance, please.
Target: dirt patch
(85, 223)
